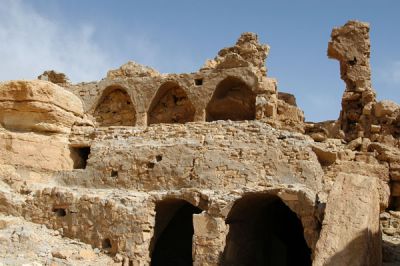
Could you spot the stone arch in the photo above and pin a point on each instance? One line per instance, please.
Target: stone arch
(173, 233)
(115, 108)
(233, 99)
(264, 231)
(170, 105)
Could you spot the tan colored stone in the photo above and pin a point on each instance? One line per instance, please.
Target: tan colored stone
(385, 108)
(86, 254)
(38, 106)
(61, 254)
(353, 200)
(54, 77)
(115, 163)
(132, 69)
(325, 156)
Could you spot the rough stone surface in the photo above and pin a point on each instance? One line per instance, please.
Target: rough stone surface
(350, 45)
(215, 167)
(38, 106)
(115, 109)
(350, 230)
(50, 248)
(54, 77)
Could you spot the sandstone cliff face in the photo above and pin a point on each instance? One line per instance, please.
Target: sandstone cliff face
(38, 106)
(209, 168)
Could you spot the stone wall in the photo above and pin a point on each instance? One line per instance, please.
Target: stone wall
(214, 167)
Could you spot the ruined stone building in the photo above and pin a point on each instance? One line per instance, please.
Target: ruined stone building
(215, 167)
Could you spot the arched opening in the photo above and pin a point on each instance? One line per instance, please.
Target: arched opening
(170, 105)
(232, 99)
(115, 108)
(264, 231)
(173, 233)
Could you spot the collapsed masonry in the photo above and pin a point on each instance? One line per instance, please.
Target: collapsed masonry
(209, 168)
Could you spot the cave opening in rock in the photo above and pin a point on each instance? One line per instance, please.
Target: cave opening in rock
(60, 212)
(233, 100)
(79, 156)
(198, 82)
(114, 173)
(115, 108)
(264, 231)
(171, 105)
(173, 233)
(106, 243)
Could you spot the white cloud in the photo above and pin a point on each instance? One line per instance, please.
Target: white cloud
(31, 43)
(396, 72)
(391, 74)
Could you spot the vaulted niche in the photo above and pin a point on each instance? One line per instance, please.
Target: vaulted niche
(115, 108)
(232, 99)
(264, 231)
(170, 105)
(173, 233)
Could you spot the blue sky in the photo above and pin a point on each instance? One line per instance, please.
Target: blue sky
(84, 39)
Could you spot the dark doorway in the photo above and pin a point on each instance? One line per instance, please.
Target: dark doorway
(233, 100)
(173, 233)
(264, 231)
(170, 105)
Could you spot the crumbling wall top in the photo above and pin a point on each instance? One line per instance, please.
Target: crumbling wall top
(350, 45)
(132, 69)
(247, 51)
(54, 77)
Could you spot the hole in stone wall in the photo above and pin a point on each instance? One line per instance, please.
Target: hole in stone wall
(150, 165)
(170, 105)
(60, 212)
(158, 158)
(115, 108)
(232, 99)
(394, 204)
(106, 243)
(264, 231)
(352, 62)
(80, 155)
(173, 233)
(198, 82)
(114, 173)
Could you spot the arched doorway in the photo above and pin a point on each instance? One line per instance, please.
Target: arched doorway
(170, 105)
(232, 99)
(115, 108)
(264, 231)
(173, 233)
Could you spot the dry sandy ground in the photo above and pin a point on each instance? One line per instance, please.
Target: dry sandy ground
(25, 243)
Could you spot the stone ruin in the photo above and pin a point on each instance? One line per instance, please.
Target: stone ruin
(214, 167)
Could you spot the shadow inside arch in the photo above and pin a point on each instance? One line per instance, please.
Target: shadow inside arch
(170, 105)
(264, 231)
(233, 99)
(115, 108)
(173, 233)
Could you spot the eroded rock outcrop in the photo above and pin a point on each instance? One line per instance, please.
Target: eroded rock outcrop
(38, 106)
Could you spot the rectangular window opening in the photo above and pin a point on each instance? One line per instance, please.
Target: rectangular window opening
(198, 82)
(80, 156)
